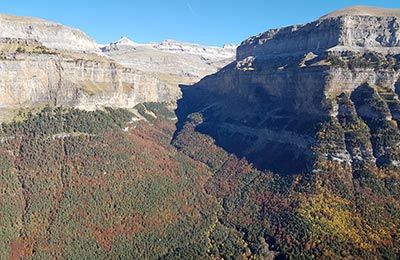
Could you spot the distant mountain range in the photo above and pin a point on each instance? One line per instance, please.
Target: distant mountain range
(177, 62)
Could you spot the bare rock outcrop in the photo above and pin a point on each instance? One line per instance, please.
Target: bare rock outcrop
(356, 28)
(51, 35)
(32, 79)
(286, 85)
(43, 62)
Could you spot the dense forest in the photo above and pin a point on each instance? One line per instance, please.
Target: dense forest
(121, 184)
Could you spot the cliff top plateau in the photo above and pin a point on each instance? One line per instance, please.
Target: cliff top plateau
(362, 10)
(286, 81)
(356, 28)
(52, 35)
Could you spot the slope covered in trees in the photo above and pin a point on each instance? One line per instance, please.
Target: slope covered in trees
(74, 185)
(108, 185)
(334, 212)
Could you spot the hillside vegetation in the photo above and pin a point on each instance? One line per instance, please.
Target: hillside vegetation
(104, 185)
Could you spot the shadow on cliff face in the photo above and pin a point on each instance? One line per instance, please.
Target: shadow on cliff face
(251, 130)
(397, 87)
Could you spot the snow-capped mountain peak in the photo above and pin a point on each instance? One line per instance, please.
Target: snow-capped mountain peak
(126, 41)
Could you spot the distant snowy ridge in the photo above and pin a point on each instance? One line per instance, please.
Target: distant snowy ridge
(194, 49)
(172, 46)
(175, 62)
(126, 41)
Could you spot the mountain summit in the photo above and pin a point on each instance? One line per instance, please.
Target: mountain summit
(126, 41)
(362, 10)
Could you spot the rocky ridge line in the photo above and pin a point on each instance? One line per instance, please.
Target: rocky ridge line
(356, 28)
(173, 61)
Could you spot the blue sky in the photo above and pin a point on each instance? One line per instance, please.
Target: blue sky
(208, 22)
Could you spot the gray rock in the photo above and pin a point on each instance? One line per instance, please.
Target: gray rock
(43, 62)
(29, 80)
(357, 29)
(50, 34)
(175, 62)
(285, 81)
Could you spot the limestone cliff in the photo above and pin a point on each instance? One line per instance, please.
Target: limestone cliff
(271, 103)
(43, 62)
(32, 79)
(51, 35)
(356, 29)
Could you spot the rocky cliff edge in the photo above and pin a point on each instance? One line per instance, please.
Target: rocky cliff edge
(341, 71)
(356, 28)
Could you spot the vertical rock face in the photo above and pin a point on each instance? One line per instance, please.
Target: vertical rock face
(356, 29)
(285, 86)
(315, 36)
(43, 62)
(29, 80)
(50, 34)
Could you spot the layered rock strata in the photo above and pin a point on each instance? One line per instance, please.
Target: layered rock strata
(51, 35)
(352, 29)
(273, 102)
(28, 80)
(43, 62)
